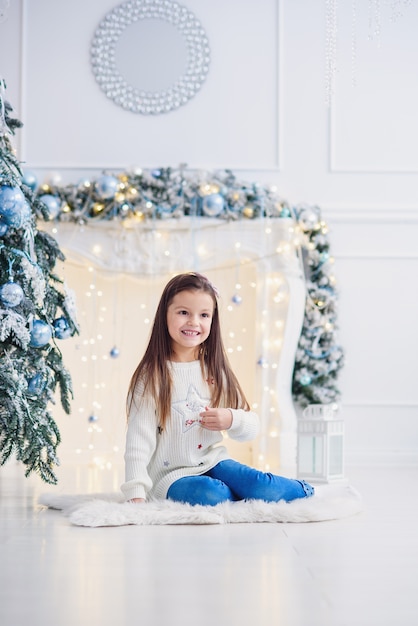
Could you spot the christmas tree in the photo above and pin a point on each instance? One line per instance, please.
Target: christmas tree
(36, 310)
(319, 357)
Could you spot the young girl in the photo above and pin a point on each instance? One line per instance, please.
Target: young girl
(181, 397)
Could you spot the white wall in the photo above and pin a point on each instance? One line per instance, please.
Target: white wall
(262, 112)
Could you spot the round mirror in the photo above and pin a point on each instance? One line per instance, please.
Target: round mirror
(150, 56)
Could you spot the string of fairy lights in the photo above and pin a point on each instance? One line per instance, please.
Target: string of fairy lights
(140, 202)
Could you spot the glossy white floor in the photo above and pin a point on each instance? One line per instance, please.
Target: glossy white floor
(360, 571)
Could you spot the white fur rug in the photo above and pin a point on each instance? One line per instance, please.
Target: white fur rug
(330, 502)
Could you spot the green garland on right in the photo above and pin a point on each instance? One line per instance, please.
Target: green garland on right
(318, 358)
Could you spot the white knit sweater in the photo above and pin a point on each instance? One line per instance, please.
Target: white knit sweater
(154, 460)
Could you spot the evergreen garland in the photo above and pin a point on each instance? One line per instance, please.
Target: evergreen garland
(319, 357)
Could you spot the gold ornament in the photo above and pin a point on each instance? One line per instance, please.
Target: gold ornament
(206, 189)
(123, 178)
(132, 193)
(248, 212)
(120, 197)
(138, 215)
(98, 207)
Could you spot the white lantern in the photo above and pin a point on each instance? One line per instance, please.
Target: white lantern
(320, 456)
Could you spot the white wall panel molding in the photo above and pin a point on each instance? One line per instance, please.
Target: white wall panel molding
(375, 257)
(347, 158)
(370, 216)
(381, 434)
(378, 240)
(11, 60)
(376, 276)
(379, 405)
(373, 110)
(233, 122)
(382, 457)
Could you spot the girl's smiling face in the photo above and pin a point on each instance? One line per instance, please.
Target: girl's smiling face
(189, 319)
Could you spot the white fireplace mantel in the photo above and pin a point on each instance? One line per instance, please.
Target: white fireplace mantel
(165, 247)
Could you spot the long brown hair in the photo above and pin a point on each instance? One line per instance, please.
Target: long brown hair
(153, 372)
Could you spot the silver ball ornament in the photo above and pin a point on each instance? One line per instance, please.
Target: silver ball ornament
(213, 204)
(107, 186)
(40, 334)
(308, 218)
(52, 203)
(11, 294)
(30, 180)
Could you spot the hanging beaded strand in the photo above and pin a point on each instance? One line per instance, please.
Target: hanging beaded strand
(4, 7)
(397, 8)
(375, 21)
(331, 31)
(354, 43)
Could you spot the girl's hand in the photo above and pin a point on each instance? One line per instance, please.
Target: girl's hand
(137, 500)
(216, 419)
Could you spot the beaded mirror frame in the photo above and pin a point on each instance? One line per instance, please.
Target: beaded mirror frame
(184, 84)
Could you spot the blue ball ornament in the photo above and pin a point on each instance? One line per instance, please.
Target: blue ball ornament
(236, 299)
(13, 206)
(107, 186)
(3, 228)
(285, 212)
(62, 329)
(213, 204)
(93, 418)
(40, 334)
(52, 203)
(11, 294)
(30, 180)
(114, 353)
(36, 384)
(305, 380)
(26, 212)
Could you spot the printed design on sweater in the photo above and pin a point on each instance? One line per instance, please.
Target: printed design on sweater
(190, 408)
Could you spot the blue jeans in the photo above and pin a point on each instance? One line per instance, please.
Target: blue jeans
(230, 480)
